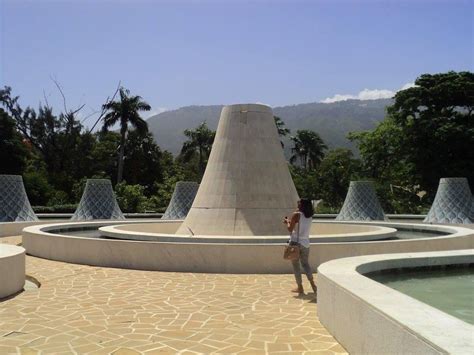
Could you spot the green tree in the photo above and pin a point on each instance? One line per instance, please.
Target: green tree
(143, 160)
(131, 198)
(125, 112)
(57, 140)
(23, 118)
(37, 187)
(104, 155)
(336, 171)
(308, 148)
(306, 182)
(165, 189)
(382, 152)
(199, 143)
(428, 134)
(282, 130)
(13, 152)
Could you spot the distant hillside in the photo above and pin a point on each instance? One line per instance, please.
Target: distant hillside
(332, 121)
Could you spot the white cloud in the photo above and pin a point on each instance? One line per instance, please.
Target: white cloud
(407, 86)
(338, 97)
(367, 94)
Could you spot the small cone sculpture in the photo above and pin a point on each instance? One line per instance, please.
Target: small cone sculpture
(247, 188)
(182, 200)
(14, 203)
(98, 202)
(361, 203)
(453, 202)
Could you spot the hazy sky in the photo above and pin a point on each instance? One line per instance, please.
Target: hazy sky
(177, 53)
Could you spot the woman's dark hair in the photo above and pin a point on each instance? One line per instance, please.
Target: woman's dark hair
(306, 207)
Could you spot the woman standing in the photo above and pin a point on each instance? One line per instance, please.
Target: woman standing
(299, 226)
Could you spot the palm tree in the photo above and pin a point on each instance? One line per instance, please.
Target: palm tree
(125, 111)
(308, 147)
(282, 130)
(199, 141)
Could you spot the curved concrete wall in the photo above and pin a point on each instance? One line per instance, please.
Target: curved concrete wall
(12, 269)
(218, 257)
(317, 228)
(320, 233)
(367, 317)
(9, 229)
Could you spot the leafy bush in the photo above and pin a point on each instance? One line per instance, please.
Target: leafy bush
(67, 208)
(37, 187)
(131, 198)
(153, 204)
(323, 208)
(58, 198)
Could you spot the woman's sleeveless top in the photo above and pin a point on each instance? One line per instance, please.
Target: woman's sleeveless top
(304, 230)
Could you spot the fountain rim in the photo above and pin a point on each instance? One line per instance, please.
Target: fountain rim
(52, 230)
(211, 257)
(376, 233)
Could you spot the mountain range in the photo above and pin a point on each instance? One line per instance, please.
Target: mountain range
(333, 121)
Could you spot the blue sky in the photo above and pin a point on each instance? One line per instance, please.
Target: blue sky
(178, 53)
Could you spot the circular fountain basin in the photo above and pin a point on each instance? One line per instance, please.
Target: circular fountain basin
(164, 251)
(320, 233)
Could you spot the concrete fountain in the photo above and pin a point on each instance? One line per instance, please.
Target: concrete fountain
(235, 221)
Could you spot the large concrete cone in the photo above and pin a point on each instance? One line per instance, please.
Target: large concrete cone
(182, 200)
(361, 203)
(98, 202)
(247, 188)
(14, 203)
(453, 202)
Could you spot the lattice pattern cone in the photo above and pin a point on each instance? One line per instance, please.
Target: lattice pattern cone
(98, 202)
(361, 203)
(14, 203)
(182, 200)
(453, 202)
(247, 188)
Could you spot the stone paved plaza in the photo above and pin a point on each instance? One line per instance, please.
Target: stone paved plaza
(84, 309)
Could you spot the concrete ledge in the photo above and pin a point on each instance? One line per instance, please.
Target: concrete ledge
(63, 216)
(159, 214)
(12, 269)
(459, 238)
(9, 229)
(370, 318)
(190, 256)
(321, 232)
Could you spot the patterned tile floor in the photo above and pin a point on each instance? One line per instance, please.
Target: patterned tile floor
(83, 309)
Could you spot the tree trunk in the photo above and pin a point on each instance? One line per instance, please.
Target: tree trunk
(123, 132)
